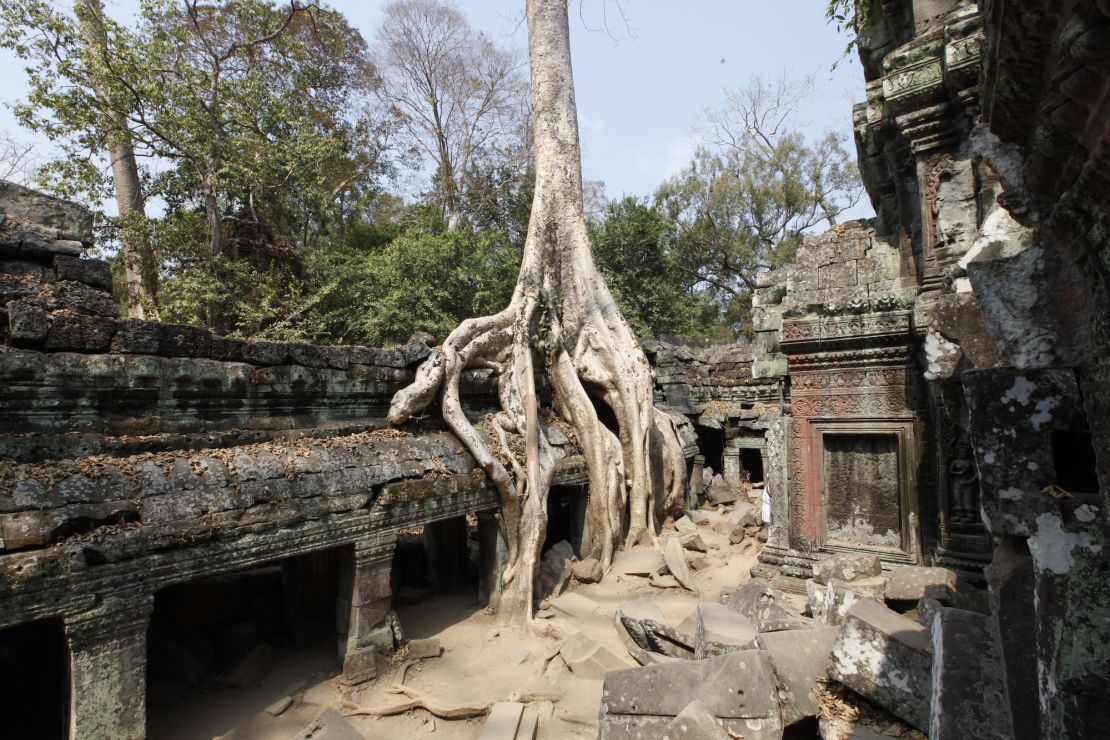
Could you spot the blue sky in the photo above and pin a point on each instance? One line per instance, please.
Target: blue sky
(640, 94)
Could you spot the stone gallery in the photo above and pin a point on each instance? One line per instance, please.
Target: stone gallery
(914, 450)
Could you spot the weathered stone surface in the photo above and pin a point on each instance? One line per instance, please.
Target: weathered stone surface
(637, 562)
(71, 331)
(179, 340)
(720, 630)
(81, 298)
(428, 647)
(95, 273)
(27, 322)
(845, 567)
(692, 541)
(135, 336)
(503, 721)
(764, 606)
(587, 571)
(555, 570)
(911, 583)
(886, 658)
(71, 220)
(588, 659)
(800, 659)
(575, 605)
(265, 353)
(675, 558)
(738, 689)
(643, 628)
(830, 602)
(361, 665)
(720, 492)
(966, 664)
(694, 722)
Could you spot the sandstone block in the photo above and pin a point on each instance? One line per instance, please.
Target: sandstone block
(79, 333)
(95, 273)
(800, 658)
(911, 583)
(637, 562)
(675, 558)
(425, 648)
(575, 605)
(136, 336)
(329, 725)
(694, 722)
(968, 663)
(845, 567)
(588, 659)
(737, 689)
(503, 721)
(720, 630)
(886, 658)
(27, 322)
(180, 340)
(587, 571)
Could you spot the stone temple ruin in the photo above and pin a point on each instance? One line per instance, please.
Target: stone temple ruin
(925, 410)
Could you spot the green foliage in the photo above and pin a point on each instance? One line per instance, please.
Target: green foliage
(632, 246)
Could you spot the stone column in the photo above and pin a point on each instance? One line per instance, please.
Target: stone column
(731, 461)
(107, 648)
(365, 620)
(492, 556)
(694, 483)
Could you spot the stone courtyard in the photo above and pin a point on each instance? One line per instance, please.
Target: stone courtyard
(895, 523)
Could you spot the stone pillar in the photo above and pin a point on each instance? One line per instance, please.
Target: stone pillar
(365, 620)
(107, 648)
(492, 556)
(731, 462)
(775, 482)
(694, 483)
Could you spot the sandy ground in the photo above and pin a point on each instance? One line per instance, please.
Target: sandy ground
(479, 664)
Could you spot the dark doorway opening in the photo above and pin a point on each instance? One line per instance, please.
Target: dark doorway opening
(224, 632)
(566, 517)
(752, 461)
(435, 558)
(1074, 458)
(711, 444)
(34, 680)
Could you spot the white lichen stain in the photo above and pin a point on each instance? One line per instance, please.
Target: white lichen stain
(1051, 545)
(1086, 513)
(1011, 494)
(1020, 391)
(1043, 413)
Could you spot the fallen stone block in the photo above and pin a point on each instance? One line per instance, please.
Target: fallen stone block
(847, 568)
(912, 583)
(663, 581)
(830, 602)
(886, 658)
(697, 517)
(643, 628)
(765, 607)
(967, 664)
(675, 558)
(737, 689)
(720, 631)
(699, 562)
(328, 725)
(426, 648)
(555, 570)
(695, 722)
(587, 571)
(720, 492)
(575, 605)
(684, 524)
(588, 659)
(641, 561)
(800, 658)
(278, 707)
(360, 665)
(502, 721)
(692, 541)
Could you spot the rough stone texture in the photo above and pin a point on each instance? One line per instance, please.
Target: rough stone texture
(800, 659)
(645, 631)
(764, 606)
(967, 663)
(845, 567)
(738, 689)
(91, 272)
(588, 659)
(887, 659)
(695, 722)
(909, 583)
(721, 630)
(71, 221)
(637, 562)
(829, 603)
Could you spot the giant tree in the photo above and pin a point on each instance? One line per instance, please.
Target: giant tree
(460, 97)
(563, 321)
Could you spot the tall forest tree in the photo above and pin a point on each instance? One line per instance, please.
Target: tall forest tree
(562, 320)
(462, 100)
(755, 188)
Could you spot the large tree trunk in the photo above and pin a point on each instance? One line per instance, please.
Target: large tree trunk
(562, 318)
(139, 270)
